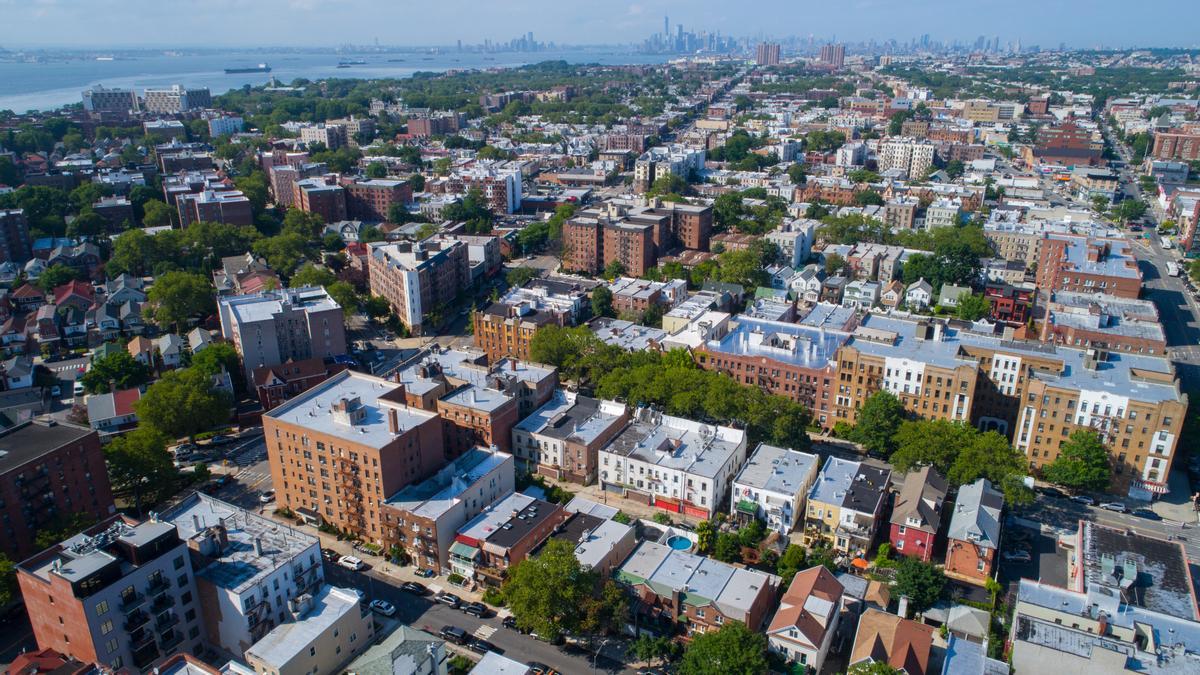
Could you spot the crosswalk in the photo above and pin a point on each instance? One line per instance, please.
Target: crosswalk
(64, 367)
(484, 632)
(255, 477)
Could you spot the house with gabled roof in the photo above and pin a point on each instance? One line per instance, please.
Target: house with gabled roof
(917, 515)
(803, 627)
(903, 644)
(974, 535)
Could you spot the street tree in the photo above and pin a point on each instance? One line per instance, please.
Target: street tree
(118, 370)
(732, 650)
(179, 296)
(1082, 463)
(139, 464)
(971, 306)
(183, 403)
(548, 593)
(878, 421)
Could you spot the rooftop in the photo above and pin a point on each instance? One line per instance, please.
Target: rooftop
(266, 305)
(239, 566)
(626, 334)
(1151, 572)
(348, 406)
(853, 485)
(570, 416)
(278, 647)
(27, 442)
(594, 537)
(400, 652)
(977, 514)
(791, 343)
(778, 470)
(498, 525)
(699, 580)
(677, 443)
(436, 495)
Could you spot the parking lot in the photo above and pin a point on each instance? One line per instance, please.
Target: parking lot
(1048, 562)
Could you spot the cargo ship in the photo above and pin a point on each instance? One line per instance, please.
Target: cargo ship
(260, 68)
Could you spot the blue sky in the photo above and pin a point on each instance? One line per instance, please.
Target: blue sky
(409, 22)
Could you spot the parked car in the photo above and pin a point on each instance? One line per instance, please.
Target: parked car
(383, 607)
(1147, 514)
(426, 573)
(1083, 499)
(56, 391)
(1052, 492)
(538, 668)
(450, 600)
(78, 389)
(351, 563)
(413, 587)
(509, 622)
(266, 497)
(481, 646)
(1119, 507)
(1017, 556)
(219, 439)
(329, 554)
(453, 634)
(477, 609)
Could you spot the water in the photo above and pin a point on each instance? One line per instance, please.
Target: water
(59, 81)
(679, 543)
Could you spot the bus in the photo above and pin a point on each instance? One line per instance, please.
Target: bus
(1173, 269)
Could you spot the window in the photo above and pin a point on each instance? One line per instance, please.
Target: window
(106, 627)
(111, 645)
(101, 607)
(190, 615)
(312, 651)
(182, 581)
(186, 598)
(178, 562)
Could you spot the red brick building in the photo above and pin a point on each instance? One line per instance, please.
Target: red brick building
(974, 535)
(372, 199)
(1010, 304)
(917, 515)
(315, 195)
(1177, 144)
(1088, 265)
(277, 384)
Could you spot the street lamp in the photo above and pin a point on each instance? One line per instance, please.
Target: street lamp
(596, 654)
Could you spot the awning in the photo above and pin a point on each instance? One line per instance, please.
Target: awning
(463, 551)
(748, 507)
(1156, 488)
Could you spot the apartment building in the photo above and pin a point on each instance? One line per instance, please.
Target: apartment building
(562, 439)
(328, 629)
(506, 327)
(772, 487)
(319, 196)
(101, 99)
(917, 515)
(332, 136)
(340, 449)
(121, 594)
(789, 359)
(15, 244)
(1088, 265)
(974, 536)
(833, 55)
(639, 295)
(674, 464)
(479, 404)
(659, 161)
(417, 279)
(176, 99)
(874, 262)
(504, 534)
(229, 207)
(499, 184)
(715, 592)
(423, 126)
(424, 517)
(795, 237)
(803, 627)
(273, 327)
(249, 569)
(909, 155)
(371, 200)
(767, 54)
(225, 125)
(1104, 322)
(943, 213)
(49, 471)
(845, 505)
(193, 182)
(1177, 144)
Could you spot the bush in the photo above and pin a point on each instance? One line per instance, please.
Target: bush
(493, 597)
(623, 518)
(662, 518)
(456, 579)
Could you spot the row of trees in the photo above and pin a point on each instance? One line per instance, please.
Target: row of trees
(672, 382)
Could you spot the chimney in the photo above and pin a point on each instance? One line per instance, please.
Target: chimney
(393, 421)
(258, 549)
(196, 522)
(902, 610)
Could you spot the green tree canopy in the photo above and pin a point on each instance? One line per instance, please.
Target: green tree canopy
(732, 650)
(183, 403)
(1082, 463)
(602, 299)
(118, 370)
(878, 421)
(57, 275)
(922, 582)
(971, 306)
(156, 214)
(139, 464)
(179, 296)
(547, 593)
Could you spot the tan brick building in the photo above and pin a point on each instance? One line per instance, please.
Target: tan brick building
(417, 279)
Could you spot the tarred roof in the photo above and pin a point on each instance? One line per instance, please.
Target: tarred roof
(45, 661)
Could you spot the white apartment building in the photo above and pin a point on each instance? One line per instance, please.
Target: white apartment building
(795, 238)
(773, 486)
(272, 327)
(679, 465)
(249, 569)
(332, 136)
(327, 630)
(912, 156)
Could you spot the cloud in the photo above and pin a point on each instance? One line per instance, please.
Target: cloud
(636, 10)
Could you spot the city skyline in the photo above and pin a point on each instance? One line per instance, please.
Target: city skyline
(131, 23)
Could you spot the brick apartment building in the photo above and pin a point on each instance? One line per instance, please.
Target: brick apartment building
(15, 244)
(275, 327)
(417, 279)
(1105, 322)
(1177, 144)
(634, 237)
(121, 594)
(371, 200)
(1088, 265)
(276, 384)
(49, 471)
(316, 195)
(339, 449)
(229, 207)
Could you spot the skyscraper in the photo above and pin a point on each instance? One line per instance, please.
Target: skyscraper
(767, 54)
(666, 27)
(833, 55)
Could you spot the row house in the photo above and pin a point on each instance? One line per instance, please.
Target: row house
(917, 515)
(504, 534)
(773, 487)
(974, 536)
(563, 438)
(845, 505)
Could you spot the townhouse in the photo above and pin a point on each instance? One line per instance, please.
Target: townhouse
(808, 617)
(562, 439)
(773, 486)
(845, 505)
(917, 515)
(502, 535)
(974, 535)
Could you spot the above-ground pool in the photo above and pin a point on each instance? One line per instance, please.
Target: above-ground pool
(679, 543)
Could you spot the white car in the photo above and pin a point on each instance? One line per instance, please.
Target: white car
(78, 389)
(351, 563)
(267, 497)
(383, 607)
(1119, 507)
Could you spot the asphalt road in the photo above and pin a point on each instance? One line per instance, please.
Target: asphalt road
(425, 614)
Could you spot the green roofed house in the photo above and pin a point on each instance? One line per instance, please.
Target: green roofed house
(675, 585)
(106, 350)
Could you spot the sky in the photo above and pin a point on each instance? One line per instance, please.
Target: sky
(198, 23)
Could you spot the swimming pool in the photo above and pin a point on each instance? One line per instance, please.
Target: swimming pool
(679, 543)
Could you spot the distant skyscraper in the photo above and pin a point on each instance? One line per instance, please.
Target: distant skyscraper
(833, 55)
(767, 54)
(666, 26)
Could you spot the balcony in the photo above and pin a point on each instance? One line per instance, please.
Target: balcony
(136, 620)
(162, 602)
(131, 601)
(166, 621)
(157, 585)
(140, 639)
(170, 641)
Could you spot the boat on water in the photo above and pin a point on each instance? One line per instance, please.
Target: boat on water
(352, 62)
(395, 60)
(104, 58)
(260, 68)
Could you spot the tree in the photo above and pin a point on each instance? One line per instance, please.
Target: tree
(156, 214)
(878, 420)
(179, 296)
(8, 578)
(343, 293)
(547, 593)
(139, 464)
(417, 182)
(704, 536)
(216, 356)
(284, 252)
(602, 302)
(650, 649)
(971, 307)
(868, 198)
(872, 668)
(62, 527)
(311, 275)
(791, 562)
(56, 275)
(796, 173)
(183, 403)
(118, 370)
(921, 582)
(732, 650)
(614, 269)
(606, 611)
(377, 170)
(519, 276)
(303, 224)
(728, 547)
(834, 263)
(935, 443)
(87, 224)
(670, 185)
(1082, 463)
